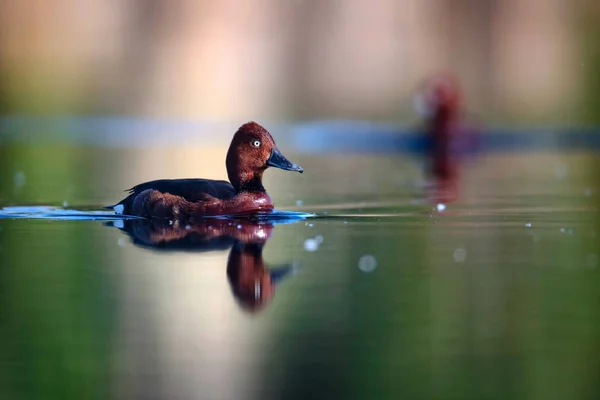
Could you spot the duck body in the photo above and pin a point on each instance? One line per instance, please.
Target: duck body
(185, 198)
(251, 152)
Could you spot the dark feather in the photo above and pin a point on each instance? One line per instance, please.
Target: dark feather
(192, 190)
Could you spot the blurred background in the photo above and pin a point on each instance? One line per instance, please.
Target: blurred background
(525, 61)
(490, 293)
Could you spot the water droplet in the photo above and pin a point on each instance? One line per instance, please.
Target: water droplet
(459, 255)
(592, 261)
(188, 227)
(310, 225)
(311, 245)
(299, 203)
(528, 224)
(319, 239)
(441, 207)
(367, 263)
(560, 170)
(20, 179)
(65, 204)
(563, 230)
(239, 226)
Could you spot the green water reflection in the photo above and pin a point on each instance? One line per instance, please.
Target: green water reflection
(494, 298)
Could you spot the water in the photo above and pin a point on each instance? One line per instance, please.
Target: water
(492, 296)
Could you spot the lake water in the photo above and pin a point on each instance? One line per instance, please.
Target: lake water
(381, 294)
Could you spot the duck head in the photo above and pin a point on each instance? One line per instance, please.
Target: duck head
(439, 95)
(251, 152)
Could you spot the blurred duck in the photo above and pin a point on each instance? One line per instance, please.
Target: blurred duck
(251, 152)
(439, 103)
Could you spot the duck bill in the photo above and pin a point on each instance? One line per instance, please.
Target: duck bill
(278, 160)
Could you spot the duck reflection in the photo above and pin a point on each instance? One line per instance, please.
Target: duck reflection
(252, 282)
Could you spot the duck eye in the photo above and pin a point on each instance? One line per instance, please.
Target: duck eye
(256, 143)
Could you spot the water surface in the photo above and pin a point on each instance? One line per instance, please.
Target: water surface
(382, 293)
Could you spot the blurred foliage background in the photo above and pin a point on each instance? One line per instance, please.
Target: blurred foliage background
(522, 61)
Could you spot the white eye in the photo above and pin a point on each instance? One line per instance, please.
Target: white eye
(256, 143)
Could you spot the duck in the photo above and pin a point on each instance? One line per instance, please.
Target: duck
(251, 152)
(440, 104)
(449, 137)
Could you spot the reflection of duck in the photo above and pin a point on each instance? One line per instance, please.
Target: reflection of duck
(440, 104)
(252, 283)
(251, 152)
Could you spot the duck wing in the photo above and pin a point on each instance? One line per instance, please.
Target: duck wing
(192, 190)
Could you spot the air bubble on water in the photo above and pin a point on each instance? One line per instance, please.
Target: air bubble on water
(296, 267)
(311, 245)
(65, 204)
(570, 231)
(188, 227)
(345, 221)
(239, 226)
(528, 224)
(459, 255)
(325, 212)
(560, 170)
(299, 203)
(310, 225)
(563, 230)
(319, 239)
(122, 242)
(441, 207)
(20, 179)
(367, 263)
(592, 261)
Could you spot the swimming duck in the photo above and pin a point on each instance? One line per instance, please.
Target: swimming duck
(251, 152)
(440, 104)
(449, 137)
